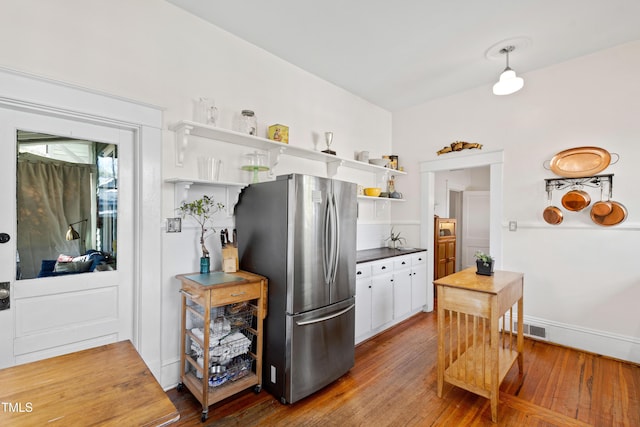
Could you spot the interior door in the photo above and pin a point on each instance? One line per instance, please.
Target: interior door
(56, 315)
(475, 228)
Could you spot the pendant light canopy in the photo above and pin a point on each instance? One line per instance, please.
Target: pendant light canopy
(508, 83)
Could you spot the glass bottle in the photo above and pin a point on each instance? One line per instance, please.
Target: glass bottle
(248, 122)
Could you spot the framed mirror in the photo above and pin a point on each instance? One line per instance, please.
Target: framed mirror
(67, 205)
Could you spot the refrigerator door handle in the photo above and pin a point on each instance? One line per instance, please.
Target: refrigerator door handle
(324, 319)
(326, 244)
(336, 239)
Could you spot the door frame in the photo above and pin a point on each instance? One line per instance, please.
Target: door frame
(25, 92)
(495, 161)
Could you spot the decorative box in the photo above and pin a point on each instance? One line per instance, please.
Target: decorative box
(279, 133)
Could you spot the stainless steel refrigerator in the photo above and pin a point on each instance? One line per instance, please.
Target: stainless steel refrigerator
(299, 231)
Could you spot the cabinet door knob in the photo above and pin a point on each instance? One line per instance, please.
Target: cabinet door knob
(384, 267)
(359, 272)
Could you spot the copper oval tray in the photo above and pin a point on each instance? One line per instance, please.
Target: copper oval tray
(617, 215)
(580, 162)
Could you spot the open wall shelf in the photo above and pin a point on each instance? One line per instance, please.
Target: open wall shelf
(185, 129)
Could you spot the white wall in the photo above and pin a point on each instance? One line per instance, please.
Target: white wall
(581, 280)
(153, 52)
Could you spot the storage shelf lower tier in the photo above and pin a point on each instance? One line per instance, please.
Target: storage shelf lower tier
(471, 370)
(195, 385)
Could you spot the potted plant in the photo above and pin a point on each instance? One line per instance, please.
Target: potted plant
(202, 210)
(484, 263)
(395, 240)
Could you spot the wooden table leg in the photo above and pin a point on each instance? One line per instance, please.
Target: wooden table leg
(441, 366)
(495, 363)
(520, 338)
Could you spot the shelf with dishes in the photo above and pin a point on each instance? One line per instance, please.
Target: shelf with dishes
(380, 199)
(186, 129)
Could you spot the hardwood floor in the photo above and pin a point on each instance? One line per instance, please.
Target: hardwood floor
(393, 383)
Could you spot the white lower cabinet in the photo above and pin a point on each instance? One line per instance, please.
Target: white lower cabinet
(381, 298)
(388, 291)
(419, 285)
(401, 286)
(363, 300)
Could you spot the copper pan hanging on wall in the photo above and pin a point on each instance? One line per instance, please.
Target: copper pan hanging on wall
(602, 207)
(576, 200)
(552, 214)
(618, 214)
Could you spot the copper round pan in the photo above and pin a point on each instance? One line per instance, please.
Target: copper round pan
(601, 208)
(552, 215)
(580, 162)
(576, 200)
(617, 215)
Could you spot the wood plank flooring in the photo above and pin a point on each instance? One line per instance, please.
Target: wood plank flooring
(393, 383)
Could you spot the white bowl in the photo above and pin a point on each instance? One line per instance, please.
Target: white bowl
(379, 162)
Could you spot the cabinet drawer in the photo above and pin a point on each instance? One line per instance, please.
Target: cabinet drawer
(419, 258)
(382, 267)
(363, 271)
(235, 293)
(401, 262)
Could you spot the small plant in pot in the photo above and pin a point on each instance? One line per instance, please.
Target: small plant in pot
(484, 263)
(395, 241)
(202, 210)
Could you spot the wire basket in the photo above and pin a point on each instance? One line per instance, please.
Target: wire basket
(240, 367)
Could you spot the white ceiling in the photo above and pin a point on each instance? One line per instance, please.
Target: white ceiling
(401, 53)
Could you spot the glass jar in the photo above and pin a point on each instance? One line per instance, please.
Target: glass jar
(248, 122)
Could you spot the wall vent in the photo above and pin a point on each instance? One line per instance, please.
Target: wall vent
(532, 330)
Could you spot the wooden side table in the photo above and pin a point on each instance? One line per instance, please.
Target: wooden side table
(475, 348)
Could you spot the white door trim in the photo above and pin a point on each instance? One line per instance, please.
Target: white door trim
(35, 94)
(493, 159)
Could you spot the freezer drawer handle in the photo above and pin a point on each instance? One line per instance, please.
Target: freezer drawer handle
(322, 319)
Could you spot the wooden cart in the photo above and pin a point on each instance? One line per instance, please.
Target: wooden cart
(221, 339)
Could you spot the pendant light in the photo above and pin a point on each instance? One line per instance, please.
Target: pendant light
(508, 83)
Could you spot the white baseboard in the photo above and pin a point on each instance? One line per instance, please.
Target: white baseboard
(607, 344)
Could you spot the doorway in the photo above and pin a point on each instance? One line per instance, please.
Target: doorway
(455, 212)
(428, 169)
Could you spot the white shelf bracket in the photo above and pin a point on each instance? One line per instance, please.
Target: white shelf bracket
(232, 196)
(274, 158)
(181, 192)
(182, 140)
(332, 167)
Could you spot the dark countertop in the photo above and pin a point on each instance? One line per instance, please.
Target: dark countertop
(381, 253)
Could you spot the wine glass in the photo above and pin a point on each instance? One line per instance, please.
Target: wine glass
(328, 137)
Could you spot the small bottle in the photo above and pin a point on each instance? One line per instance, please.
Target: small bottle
(204, 265)
(248, 122)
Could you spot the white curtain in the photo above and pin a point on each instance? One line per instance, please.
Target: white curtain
(51, 195)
